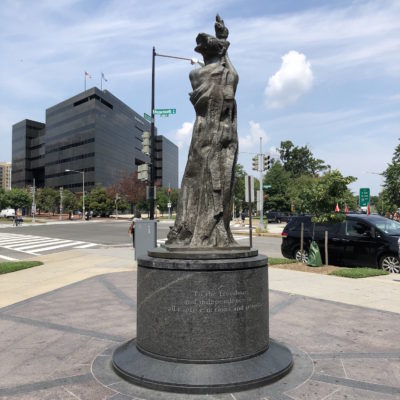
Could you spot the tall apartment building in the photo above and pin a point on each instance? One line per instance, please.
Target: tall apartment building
(94, 132)
(5, 175)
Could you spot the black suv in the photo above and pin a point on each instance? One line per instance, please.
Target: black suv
(278, 216)
(361, 240)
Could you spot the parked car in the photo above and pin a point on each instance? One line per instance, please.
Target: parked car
(7, 213)
(278, 216)
(361, 240)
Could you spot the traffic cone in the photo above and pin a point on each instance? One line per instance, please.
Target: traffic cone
(337, 209)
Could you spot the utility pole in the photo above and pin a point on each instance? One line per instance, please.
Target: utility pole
(61, 202)
(261, 163)
(152, 139)
(261, 200)
(33, 201)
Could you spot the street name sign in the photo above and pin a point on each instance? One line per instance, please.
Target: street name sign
(266, 186)
(164, 112)
(147, 117)
(364, 197)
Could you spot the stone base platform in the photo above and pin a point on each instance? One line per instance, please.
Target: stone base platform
(202, 325)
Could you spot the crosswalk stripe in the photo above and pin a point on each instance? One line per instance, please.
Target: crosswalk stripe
(48, 242)
(85, 246)
(17, 243)
(35, 245)
(8, 258)
(58, 247)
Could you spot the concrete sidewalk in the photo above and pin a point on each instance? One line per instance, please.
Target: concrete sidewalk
(63, 319)
(62, 269)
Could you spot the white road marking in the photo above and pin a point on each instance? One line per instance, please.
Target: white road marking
(35, 245)
(8, 258)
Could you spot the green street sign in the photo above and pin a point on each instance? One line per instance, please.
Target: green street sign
(364, 197)
(266, 186)
(147, 117)
(164, 112)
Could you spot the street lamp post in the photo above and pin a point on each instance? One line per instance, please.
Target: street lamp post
(83, 188)
(152, 135)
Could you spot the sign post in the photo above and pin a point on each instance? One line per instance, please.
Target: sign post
(364, 197)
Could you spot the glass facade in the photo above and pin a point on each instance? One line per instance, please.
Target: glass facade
(93, 132)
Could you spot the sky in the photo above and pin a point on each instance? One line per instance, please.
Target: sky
(325, 74)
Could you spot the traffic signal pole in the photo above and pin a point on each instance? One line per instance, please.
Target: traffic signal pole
(261, 200)
(153, 140)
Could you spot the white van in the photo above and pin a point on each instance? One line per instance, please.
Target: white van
(7, 213)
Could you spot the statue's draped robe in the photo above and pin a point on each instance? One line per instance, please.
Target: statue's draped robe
(205, 201)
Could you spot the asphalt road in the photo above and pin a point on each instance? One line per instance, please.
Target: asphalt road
(107, 233)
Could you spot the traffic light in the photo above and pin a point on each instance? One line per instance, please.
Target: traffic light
(267, 163)
(143, 172)
(146, 143)
(255, 163)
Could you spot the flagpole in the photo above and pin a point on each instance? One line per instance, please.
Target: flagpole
(101, 82)
(85, 80)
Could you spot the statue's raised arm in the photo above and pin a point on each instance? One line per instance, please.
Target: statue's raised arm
(205, 202)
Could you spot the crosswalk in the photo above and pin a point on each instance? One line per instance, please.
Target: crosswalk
(37, 245)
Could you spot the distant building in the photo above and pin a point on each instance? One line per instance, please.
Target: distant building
(94, 132)
(5, 175)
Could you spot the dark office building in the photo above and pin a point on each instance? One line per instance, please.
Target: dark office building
(92, 132)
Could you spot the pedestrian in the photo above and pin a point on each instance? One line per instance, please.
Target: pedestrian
(132, 227)
(243, 216)
(396, 217)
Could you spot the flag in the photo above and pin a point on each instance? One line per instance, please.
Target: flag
(368, 209)
(346, 210)
(103, 77)
(337, 209)
(87, 75)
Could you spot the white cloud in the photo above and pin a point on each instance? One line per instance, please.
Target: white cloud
(184, 134)
(252, 140)
(293, 79)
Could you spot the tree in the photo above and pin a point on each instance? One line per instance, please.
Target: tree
(98, 202)
(3, 200)
(162, 200)
(70, 201)
(300, 160)
(321, 196)
(129, 188)
(48, 199)
(18, 198)
(392, 180)
(238, 190)
(277, 195)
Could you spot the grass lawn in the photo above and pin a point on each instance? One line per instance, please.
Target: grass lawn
(279, 261)
(358, 272)
(6, 267)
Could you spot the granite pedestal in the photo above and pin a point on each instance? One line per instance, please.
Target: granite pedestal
(202, 324)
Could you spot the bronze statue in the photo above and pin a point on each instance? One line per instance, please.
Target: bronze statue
(205, 201)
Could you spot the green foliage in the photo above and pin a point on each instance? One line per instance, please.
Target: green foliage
(300, 160)
(321, 196)
(18, 198)
(238, 189)
(99, 202)
(279, 261)
(278, 194)
(392, 181)
(358, 272)
(3, 200)
(162, 199)
(7, 267)
(70, 201)
(48, 199)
